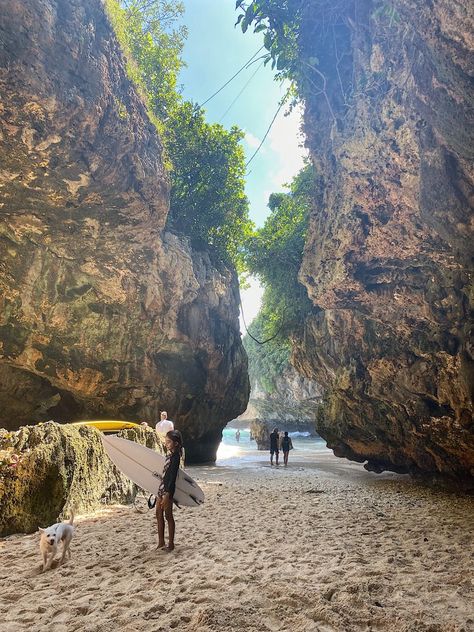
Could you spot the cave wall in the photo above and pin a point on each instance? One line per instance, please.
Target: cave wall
(103, 313)
(388, 260)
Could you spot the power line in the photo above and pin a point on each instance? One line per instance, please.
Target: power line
(259, 342)
(236, 98)
(268, 130)
(232, 78)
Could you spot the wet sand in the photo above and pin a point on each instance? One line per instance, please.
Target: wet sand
(318, 546)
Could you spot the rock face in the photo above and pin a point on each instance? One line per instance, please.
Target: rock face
(48, 470)
(103, 314)
(388, 259)
(292, 405)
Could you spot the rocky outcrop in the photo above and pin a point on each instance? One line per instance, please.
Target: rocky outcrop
(291, 405)
(103, 314)
(49, 470)
(260, 431)
(388, 259)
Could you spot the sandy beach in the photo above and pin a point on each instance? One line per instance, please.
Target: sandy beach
(321, 546)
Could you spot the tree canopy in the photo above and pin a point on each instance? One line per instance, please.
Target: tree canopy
(208, 179)
(275, 252)
(206, 161)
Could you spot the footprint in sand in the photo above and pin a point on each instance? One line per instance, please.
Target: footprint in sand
(155, 612)
(12, 597)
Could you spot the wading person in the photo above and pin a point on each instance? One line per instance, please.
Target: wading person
(164, 504)
(274, 446)
(286, 446)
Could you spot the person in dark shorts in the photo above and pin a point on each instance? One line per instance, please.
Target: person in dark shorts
(286, 446)
(274, 445)
(164, 504)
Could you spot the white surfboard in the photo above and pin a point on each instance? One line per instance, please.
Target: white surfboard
(145, 468)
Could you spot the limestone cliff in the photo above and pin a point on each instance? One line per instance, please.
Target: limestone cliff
(388, 260)
(291, 405)
(103, 314)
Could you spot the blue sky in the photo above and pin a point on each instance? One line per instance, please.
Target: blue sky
(214, 51)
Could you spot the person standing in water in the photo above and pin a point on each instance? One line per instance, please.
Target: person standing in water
(237, 435)
(164, 504)
(286, 446)
(274, 445)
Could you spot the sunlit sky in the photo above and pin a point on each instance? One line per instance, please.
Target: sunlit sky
(214, 51)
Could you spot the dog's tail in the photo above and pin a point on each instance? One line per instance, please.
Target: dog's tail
(71, 519)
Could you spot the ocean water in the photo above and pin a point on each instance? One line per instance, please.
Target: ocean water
(245, 452)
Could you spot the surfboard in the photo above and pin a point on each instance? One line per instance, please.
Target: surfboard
(107, 426)
(145, 467)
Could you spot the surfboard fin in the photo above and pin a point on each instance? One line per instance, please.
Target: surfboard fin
(198, 502)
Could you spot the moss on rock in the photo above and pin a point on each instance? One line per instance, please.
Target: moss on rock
(47, 470)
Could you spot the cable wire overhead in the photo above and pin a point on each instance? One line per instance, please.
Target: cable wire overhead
(247, 63)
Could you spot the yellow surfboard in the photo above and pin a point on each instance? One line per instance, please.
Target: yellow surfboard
(107, 426)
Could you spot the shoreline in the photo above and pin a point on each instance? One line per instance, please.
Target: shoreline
(320, 548)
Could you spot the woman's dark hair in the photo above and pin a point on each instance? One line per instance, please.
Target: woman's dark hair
(176, 436)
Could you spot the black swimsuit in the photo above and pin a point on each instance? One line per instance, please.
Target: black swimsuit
(170, 472)
(285, 444)
(274, 438)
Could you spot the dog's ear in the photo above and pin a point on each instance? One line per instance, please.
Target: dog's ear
(41, 530)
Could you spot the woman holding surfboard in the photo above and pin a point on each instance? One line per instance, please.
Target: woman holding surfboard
(164, 505)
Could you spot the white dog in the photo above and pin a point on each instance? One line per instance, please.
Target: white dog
(50, 539)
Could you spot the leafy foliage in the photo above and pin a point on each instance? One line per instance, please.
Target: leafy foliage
(152, 43)
(207, 195)
(206, 162)
(266, 362)
(308, 42)
(279, 20)
(275, 253)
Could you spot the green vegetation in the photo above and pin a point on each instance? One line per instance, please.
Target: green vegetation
(206, 162)
(152, 43)
(266, 362)
(280, 21)
(208, 202)
(275, 253)
(309, 44)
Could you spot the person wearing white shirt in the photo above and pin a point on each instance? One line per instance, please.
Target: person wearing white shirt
(165, 425)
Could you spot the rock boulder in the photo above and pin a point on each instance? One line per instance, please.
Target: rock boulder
(50, 469)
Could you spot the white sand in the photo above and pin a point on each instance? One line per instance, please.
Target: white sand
(368, 553)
